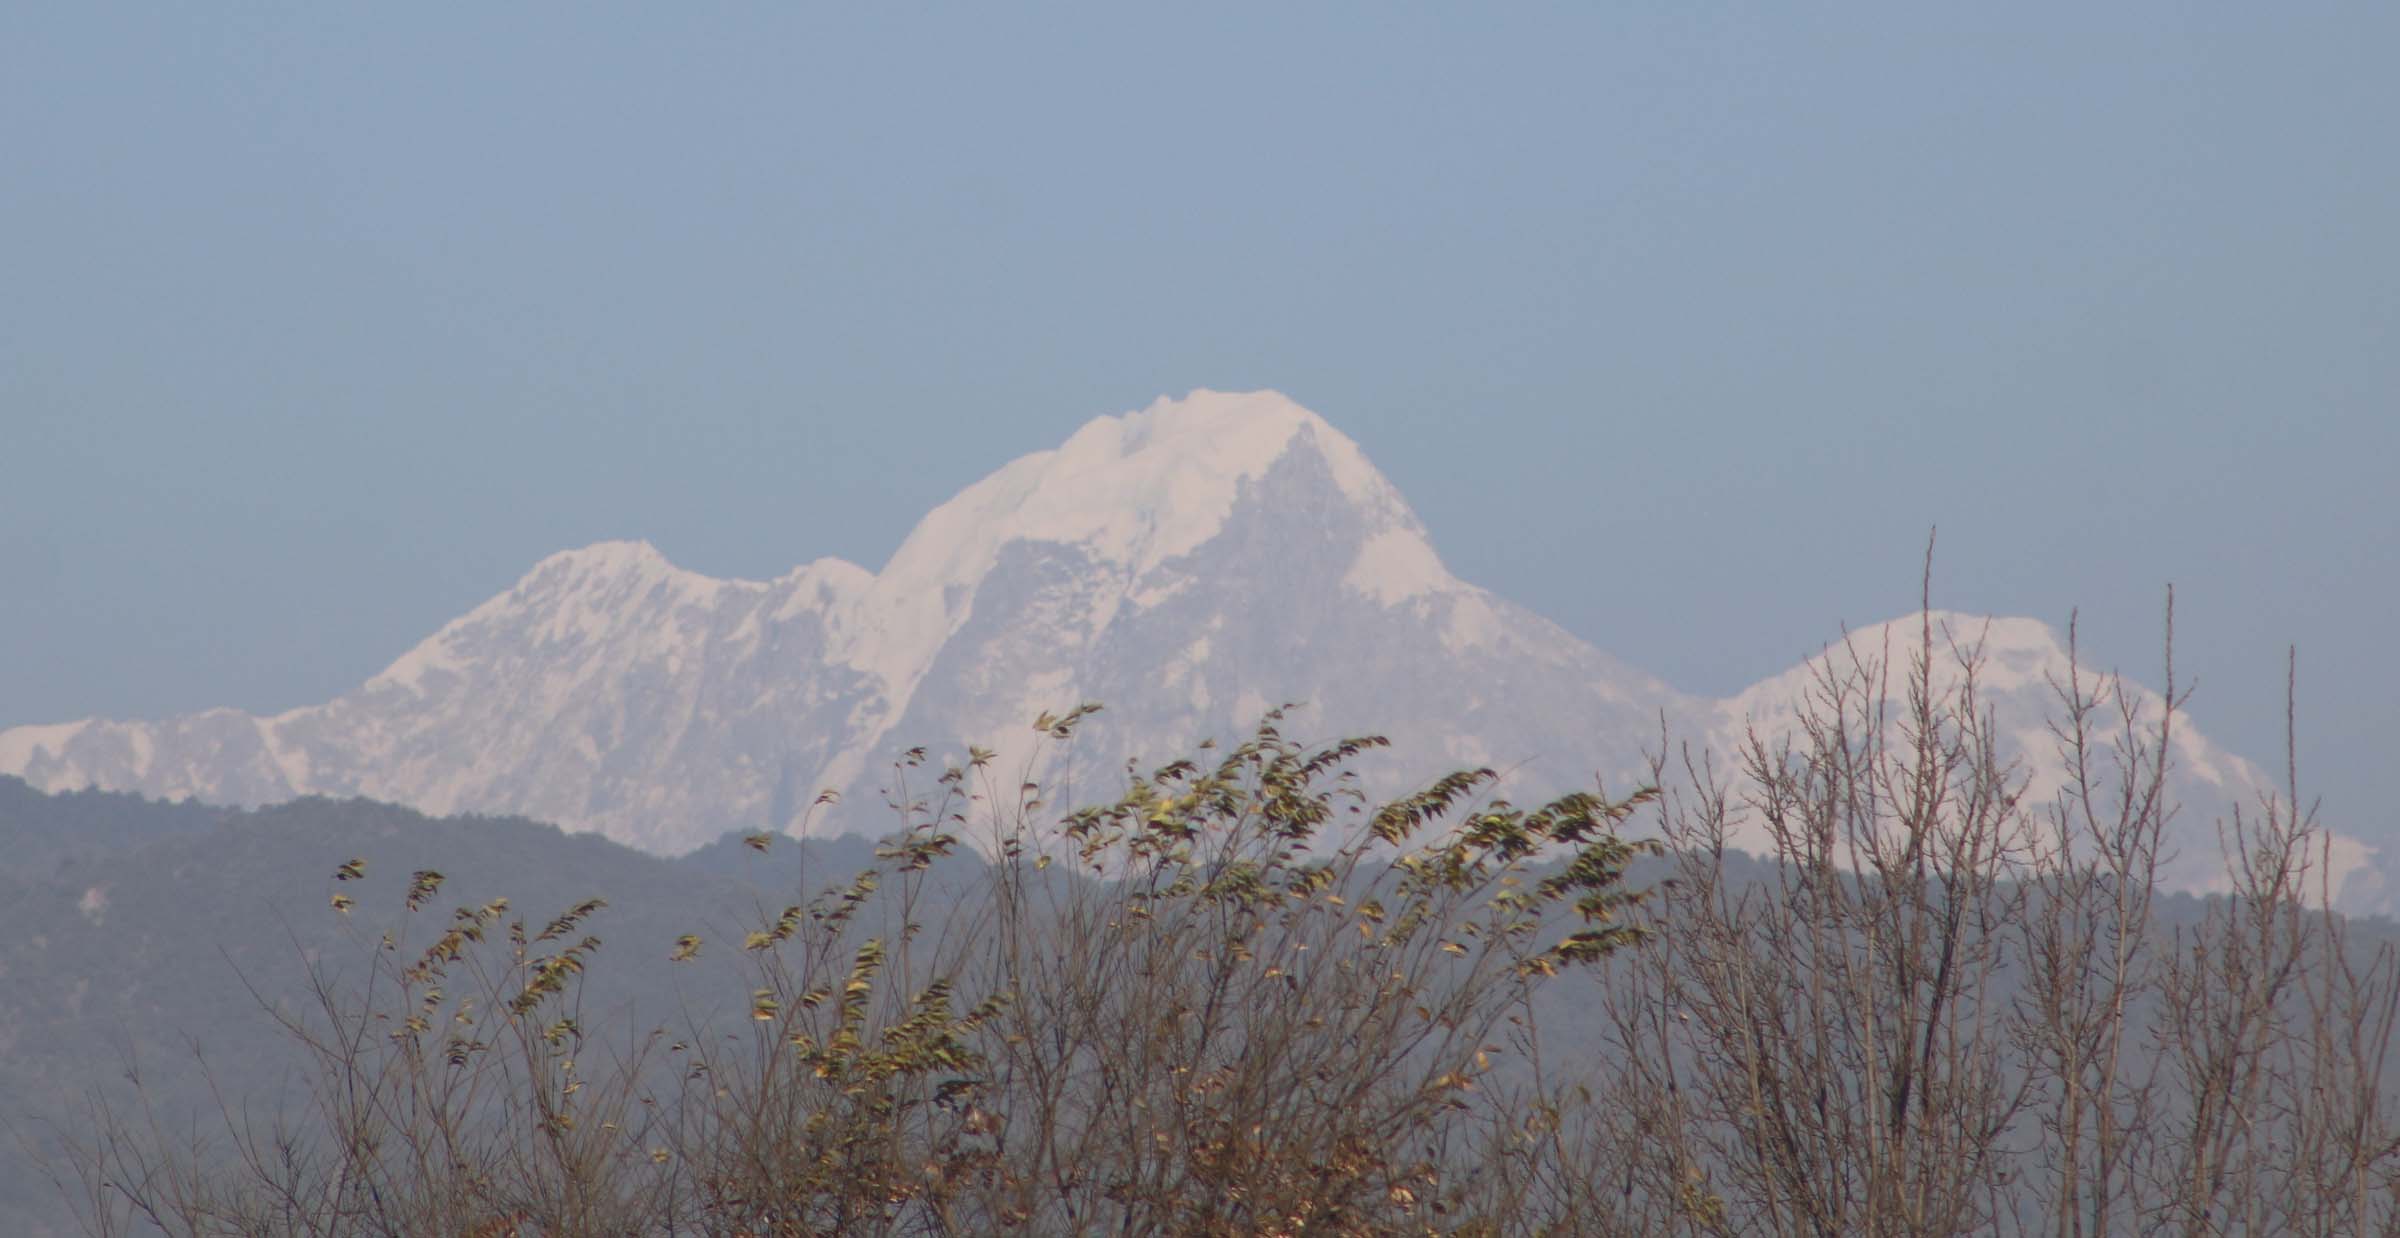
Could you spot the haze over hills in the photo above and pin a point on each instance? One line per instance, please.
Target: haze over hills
(1190, 565)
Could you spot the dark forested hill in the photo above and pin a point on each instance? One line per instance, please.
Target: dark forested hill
(139, 936)
(39, 832)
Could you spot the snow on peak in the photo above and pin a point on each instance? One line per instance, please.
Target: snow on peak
(577, 593)
(1121, 500)
(1134, 490)
(603, 560)
(2021, 666)
(2011, 645)
(2014, 653)
(2021, 659)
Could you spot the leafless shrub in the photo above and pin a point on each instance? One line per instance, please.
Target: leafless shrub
(1945, 1008)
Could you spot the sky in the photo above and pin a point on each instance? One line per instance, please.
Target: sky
(1681, 325)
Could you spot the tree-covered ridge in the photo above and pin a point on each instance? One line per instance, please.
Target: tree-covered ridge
(39, 832)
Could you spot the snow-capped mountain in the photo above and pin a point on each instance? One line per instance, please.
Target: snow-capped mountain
(1189, 565)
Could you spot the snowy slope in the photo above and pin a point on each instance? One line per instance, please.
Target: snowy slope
(1190, 565)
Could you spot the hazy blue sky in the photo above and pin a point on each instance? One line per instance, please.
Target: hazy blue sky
(317, 325)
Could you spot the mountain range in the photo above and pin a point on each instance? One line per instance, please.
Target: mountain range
(1190, 565)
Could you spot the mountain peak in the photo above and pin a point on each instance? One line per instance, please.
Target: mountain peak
(609, 560)
(575, 594)
(1132, 492)
(2012, 653)
(1139, 488)
(1218, 435)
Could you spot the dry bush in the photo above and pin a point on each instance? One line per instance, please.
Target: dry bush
(1239, 998)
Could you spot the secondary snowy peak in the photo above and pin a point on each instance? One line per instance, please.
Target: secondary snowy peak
(2021, 665)
(2012, 654)
(2020, 668)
